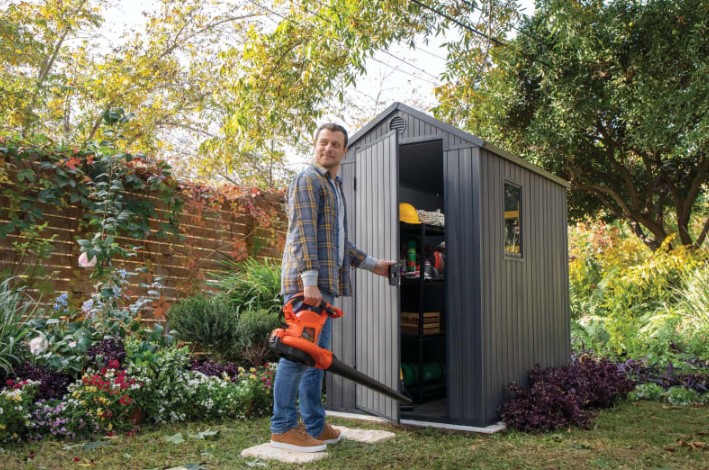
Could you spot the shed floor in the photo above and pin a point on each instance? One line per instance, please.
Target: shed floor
(434, 410)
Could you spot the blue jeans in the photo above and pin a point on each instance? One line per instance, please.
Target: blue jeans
(296, 380)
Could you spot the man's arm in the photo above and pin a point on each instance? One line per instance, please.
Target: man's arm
(360, 259)
(304, 206)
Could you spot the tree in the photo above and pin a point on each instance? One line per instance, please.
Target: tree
(290, 75)
(612, 96)
(225, 82)
(157, 90)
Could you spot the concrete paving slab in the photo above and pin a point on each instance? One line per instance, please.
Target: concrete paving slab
(368, 436)
(265, 451)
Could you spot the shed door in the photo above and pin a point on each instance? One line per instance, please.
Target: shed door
(376, 232)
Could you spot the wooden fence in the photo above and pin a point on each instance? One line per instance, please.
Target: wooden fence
(208, 235)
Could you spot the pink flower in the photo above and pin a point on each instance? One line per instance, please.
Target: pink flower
(84, 261)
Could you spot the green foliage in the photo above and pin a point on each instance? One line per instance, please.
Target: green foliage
(109, 187)
(692, 300)
(66, 343)
(253, 284)
(16, 309)
(629, 301)
(209, 322)
(165, 394)
(611, 96)
(647, 391)
(682, 396)
(252, 332)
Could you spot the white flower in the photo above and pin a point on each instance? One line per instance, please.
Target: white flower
(72, 344)
(84, 261)
(38, 345)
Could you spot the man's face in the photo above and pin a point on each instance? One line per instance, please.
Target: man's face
(329, 148)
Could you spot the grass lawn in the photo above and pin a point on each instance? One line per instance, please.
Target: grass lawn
(644, 435)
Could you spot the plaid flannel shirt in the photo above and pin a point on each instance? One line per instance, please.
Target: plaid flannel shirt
(311, 241)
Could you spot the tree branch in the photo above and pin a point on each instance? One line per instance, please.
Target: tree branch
(702, 235)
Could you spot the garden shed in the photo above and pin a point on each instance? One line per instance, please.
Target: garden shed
(483, 294)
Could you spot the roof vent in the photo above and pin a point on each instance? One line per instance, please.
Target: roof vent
(398, 124)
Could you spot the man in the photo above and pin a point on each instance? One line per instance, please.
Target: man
(316, 261)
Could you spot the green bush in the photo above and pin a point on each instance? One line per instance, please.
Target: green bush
(253, 284)
(252, 331)
(209, 322)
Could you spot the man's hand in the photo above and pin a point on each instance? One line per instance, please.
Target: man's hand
(312, 295)
(382, 267)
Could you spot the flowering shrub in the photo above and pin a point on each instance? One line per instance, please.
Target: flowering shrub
(105, 397)
(54, 418)
(247, 395)
(165, 394)
(15, 402)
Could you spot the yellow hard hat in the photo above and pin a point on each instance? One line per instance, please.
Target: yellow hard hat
(408, 214)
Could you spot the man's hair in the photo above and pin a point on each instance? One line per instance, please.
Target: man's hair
(331, 126)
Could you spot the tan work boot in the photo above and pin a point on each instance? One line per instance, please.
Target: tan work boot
(329, 435)
(297, 439)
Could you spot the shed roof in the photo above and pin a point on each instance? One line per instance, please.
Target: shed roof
(477, 141)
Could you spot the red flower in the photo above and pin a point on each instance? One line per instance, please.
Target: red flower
(113, 364)
(125, 400)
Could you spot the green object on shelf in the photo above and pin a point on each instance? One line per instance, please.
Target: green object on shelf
(411, 256)
(410, 373)
(432, 370)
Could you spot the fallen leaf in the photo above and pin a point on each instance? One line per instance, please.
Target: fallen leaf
(175, 439)
(205, 434)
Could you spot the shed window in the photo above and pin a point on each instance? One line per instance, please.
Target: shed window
(513, 224)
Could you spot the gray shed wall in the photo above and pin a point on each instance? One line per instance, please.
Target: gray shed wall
(525, 303)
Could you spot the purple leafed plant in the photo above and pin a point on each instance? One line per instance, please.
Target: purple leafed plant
(211, 368)
(693, 375)
(51, 384)
(102, 352)
(543, 407)
(558, 397)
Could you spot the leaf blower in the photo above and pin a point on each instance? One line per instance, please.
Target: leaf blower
(299, 342)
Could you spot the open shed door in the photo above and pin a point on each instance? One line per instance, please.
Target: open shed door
(376, 231)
